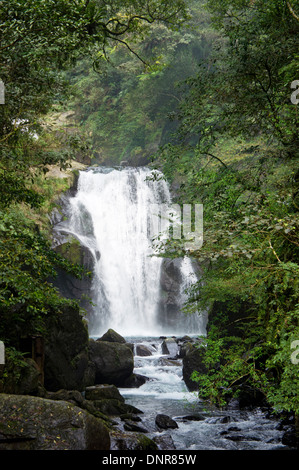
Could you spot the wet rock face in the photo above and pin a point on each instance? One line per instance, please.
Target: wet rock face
(68, 285)
(170, 281)
(170, 347)
(33, 423)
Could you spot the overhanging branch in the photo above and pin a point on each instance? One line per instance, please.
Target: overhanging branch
(292, 11)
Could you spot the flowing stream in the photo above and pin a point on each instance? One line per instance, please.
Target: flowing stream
(199, 427)
(134, 294)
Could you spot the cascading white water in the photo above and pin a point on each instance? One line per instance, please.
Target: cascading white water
(111, 216)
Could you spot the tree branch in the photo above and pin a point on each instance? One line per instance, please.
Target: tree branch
(274, 252)
(130, 49)
(292, 11)
(126, 26)
(217, 158)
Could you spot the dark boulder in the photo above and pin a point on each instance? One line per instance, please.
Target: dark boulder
(121, 440)
(193, 361)
(34, 423)
(113, 362)
(112, 337)
(135, 381)
(165, 422)
(72, 396)
(114, 407)
(185, 348)
(143, 350)
(131, 426)
(101, 392)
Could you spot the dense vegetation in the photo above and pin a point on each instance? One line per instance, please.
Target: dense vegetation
(236, 151)
(209, 103)
(39, 41)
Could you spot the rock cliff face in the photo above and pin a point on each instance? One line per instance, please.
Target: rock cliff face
(70, 247)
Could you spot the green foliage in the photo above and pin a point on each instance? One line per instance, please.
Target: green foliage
(263, 366)
(250, 262)
(27, 263)
(235, 151)
(14, 363)
(222, 383)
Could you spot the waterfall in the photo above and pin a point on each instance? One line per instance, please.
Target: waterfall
(110, 215)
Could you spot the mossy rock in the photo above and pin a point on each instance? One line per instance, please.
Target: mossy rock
(193, 361)
(112, 337)
(67, 364)
(114, 362)
(131, 441)
(21, 378)
(34, 423)
(100, 392)
(113, 407)
(74, 252)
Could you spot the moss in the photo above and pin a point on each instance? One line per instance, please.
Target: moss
(146, 443)
(71, 250)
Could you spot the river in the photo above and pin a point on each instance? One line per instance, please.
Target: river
(200, 427)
